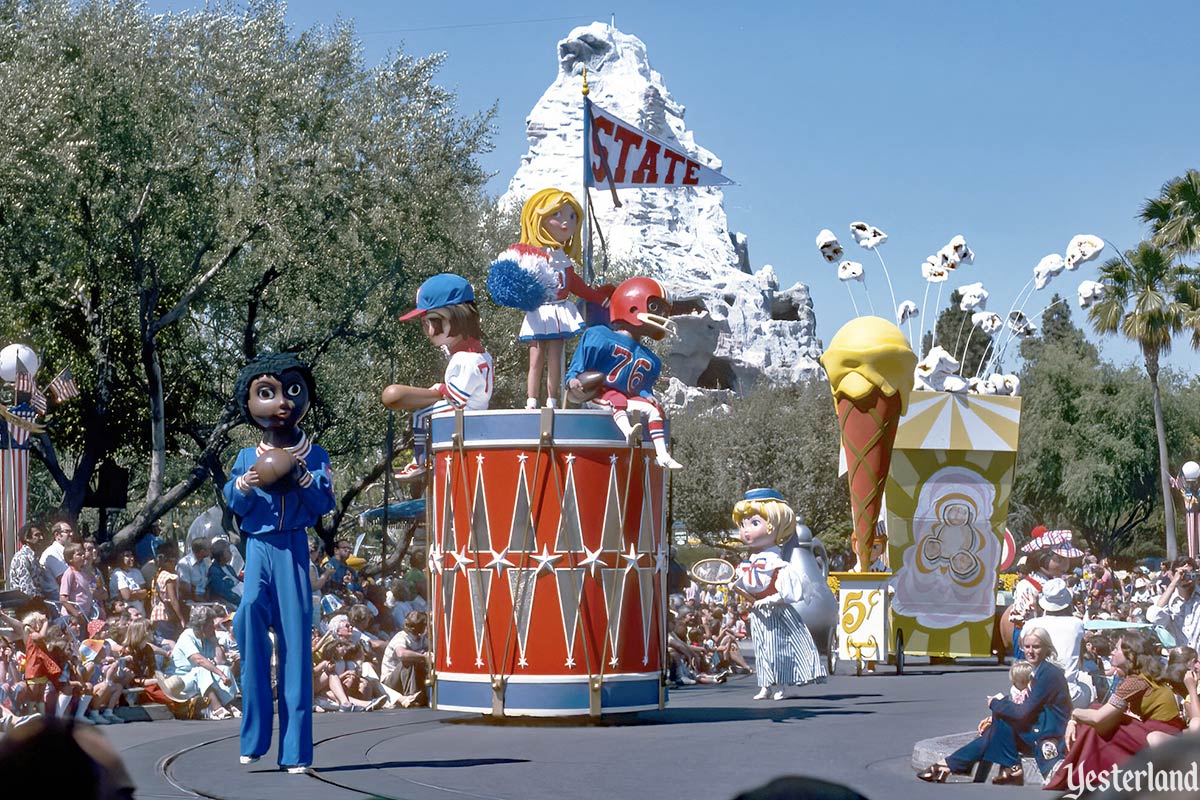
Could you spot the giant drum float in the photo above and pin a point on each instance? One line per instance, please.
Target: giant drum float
(548, 564)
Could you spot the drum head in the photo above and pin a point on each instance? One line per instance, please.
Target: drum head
(713, 571)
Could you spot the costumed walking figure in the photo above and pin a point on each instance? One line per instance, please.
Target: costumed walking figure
(537, 275)
(450, 321)
(785, 654)
(277, 491)
(614, 370)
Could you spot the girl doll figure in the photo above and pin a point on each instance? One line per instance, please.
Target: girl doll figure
(277, 491)
(785, 654)
(550, 223)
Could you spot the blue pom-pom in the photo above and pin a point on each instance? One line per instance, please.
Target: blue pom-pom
(514, 287)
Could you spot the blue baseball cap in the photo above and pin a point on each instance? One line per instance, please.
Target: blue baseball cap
(763, 494)
(441, 291)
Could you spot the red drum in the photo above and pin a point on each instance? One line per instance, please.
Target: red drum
(548, 560)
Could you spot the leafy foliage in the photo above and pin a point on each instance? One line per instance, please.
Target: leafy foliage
(179, 192)
(784, 438)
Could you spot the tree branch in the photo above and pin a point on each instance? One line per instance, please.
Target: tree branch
(201, 283)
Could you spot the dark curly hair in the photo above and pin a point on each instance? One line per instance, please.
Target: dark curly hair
(270, 364)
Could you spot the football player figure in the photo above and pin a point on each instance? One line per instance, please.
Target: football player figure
(449, 319)
(613, 361)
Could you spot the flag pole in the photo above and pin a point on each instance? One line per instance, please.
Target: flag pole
(585, 228)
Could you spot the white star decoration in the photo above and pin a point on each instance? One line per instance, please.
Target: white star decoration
(612, 459)
(544, 560)
(632, 559)
(521, 662)
(570, 458)
(570, 662)
(522, 458)
(661, 558)
(449, 460)
(499, 561)
(435, 558)
(461, 559)
(612, 662)
(479, 459)
(479, 662)
(591, 560)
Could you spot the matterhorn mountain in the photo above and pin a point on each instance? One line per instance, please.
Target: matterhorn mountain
(744, 329)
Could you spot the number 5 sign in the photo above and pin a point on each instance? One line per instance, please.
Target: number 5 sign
(863, 628)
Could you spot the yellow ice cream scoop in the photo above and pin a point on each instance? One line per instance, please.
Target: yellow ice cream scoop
(870, 354)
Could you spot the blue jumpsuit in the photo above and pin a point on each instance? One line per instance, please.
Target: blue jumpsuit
(278, 595)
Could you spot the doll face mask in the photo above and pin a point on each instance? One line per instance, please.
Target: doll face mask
(756, 533)
(278, 402)
(562, 224)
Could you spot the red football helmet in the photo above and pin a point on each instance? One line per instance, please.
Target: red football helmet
(641, 305)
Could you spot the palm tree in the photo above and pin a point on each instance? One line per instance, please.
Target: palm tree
(1149, 299)
(1174, 215)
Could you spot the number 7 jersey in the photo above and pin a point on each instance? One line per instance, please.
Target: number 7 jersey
(628, 366)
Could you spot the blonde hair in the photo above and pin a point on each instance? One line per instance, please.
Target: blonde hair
(34, 620)
(542, 205)
(778, 514)
(1020, 674)
(1043, 636)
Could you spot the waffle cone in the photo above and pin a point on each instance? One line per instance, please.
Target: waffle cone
(869, 425)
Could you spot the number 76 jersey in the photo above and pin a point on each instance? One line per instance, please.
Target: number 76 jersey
(628, 366)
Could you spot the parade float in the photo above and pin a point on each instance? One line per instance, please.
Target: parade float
(929, 453)
(547, 525)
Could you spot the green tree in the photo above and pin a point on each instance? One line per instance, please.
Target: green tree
(786, 438)
(1148, 299)
(1174, 215)
(959, 337)
(180, 192)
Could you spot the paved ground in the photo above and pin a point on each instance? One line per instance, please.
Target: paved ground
(712, 742)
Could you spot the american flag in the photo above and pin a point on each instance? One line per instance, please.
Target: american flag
(25, 383)
(37, 400)
(18, 433)
(63, 387)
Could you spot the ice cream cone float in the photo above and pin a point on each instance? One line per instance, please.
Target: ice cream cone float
(870, 367)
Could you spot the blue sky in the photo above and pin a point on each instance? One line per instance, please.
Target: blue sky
(1016, 124)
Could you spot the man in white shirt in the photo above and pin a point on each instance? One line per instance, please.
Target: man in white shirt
(1066, 632)
(1178, 607)
(193, 572)
(52, 557)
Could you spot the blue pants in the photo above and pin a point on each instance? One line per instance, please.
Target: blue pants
(420, 426)
(998, 744)
(277, 595)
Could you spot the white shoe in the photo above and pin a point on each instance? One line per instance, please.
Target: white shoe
(248, 759)
(551, 402)
(300, 769)
(377, 703)
(94, 718)
(779, 694)
(531, 403)
(763, 694)
(666, 462)
(112, 719)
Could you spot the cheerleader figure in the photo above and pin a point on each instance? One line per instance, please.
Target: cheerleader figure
(550, 248)
(785, 654)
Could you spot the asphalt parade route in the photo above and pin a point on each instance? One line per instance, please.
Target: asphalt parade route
(710, 742)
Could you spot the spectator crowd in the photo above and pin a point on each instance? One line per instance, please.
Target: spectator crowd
(90, 635)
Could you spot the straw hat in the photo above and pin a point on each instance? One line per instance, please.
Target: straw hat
(172, 686)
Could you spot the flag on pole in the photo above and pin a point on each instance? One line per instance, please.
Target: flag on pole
(24, 382)
(622, 156)
(63, 387)
(37, 400)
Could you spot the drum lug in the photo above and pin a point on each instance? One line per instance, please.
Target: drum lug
(547, 426)
(594, 685)
(498, 684)
(460, 434)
